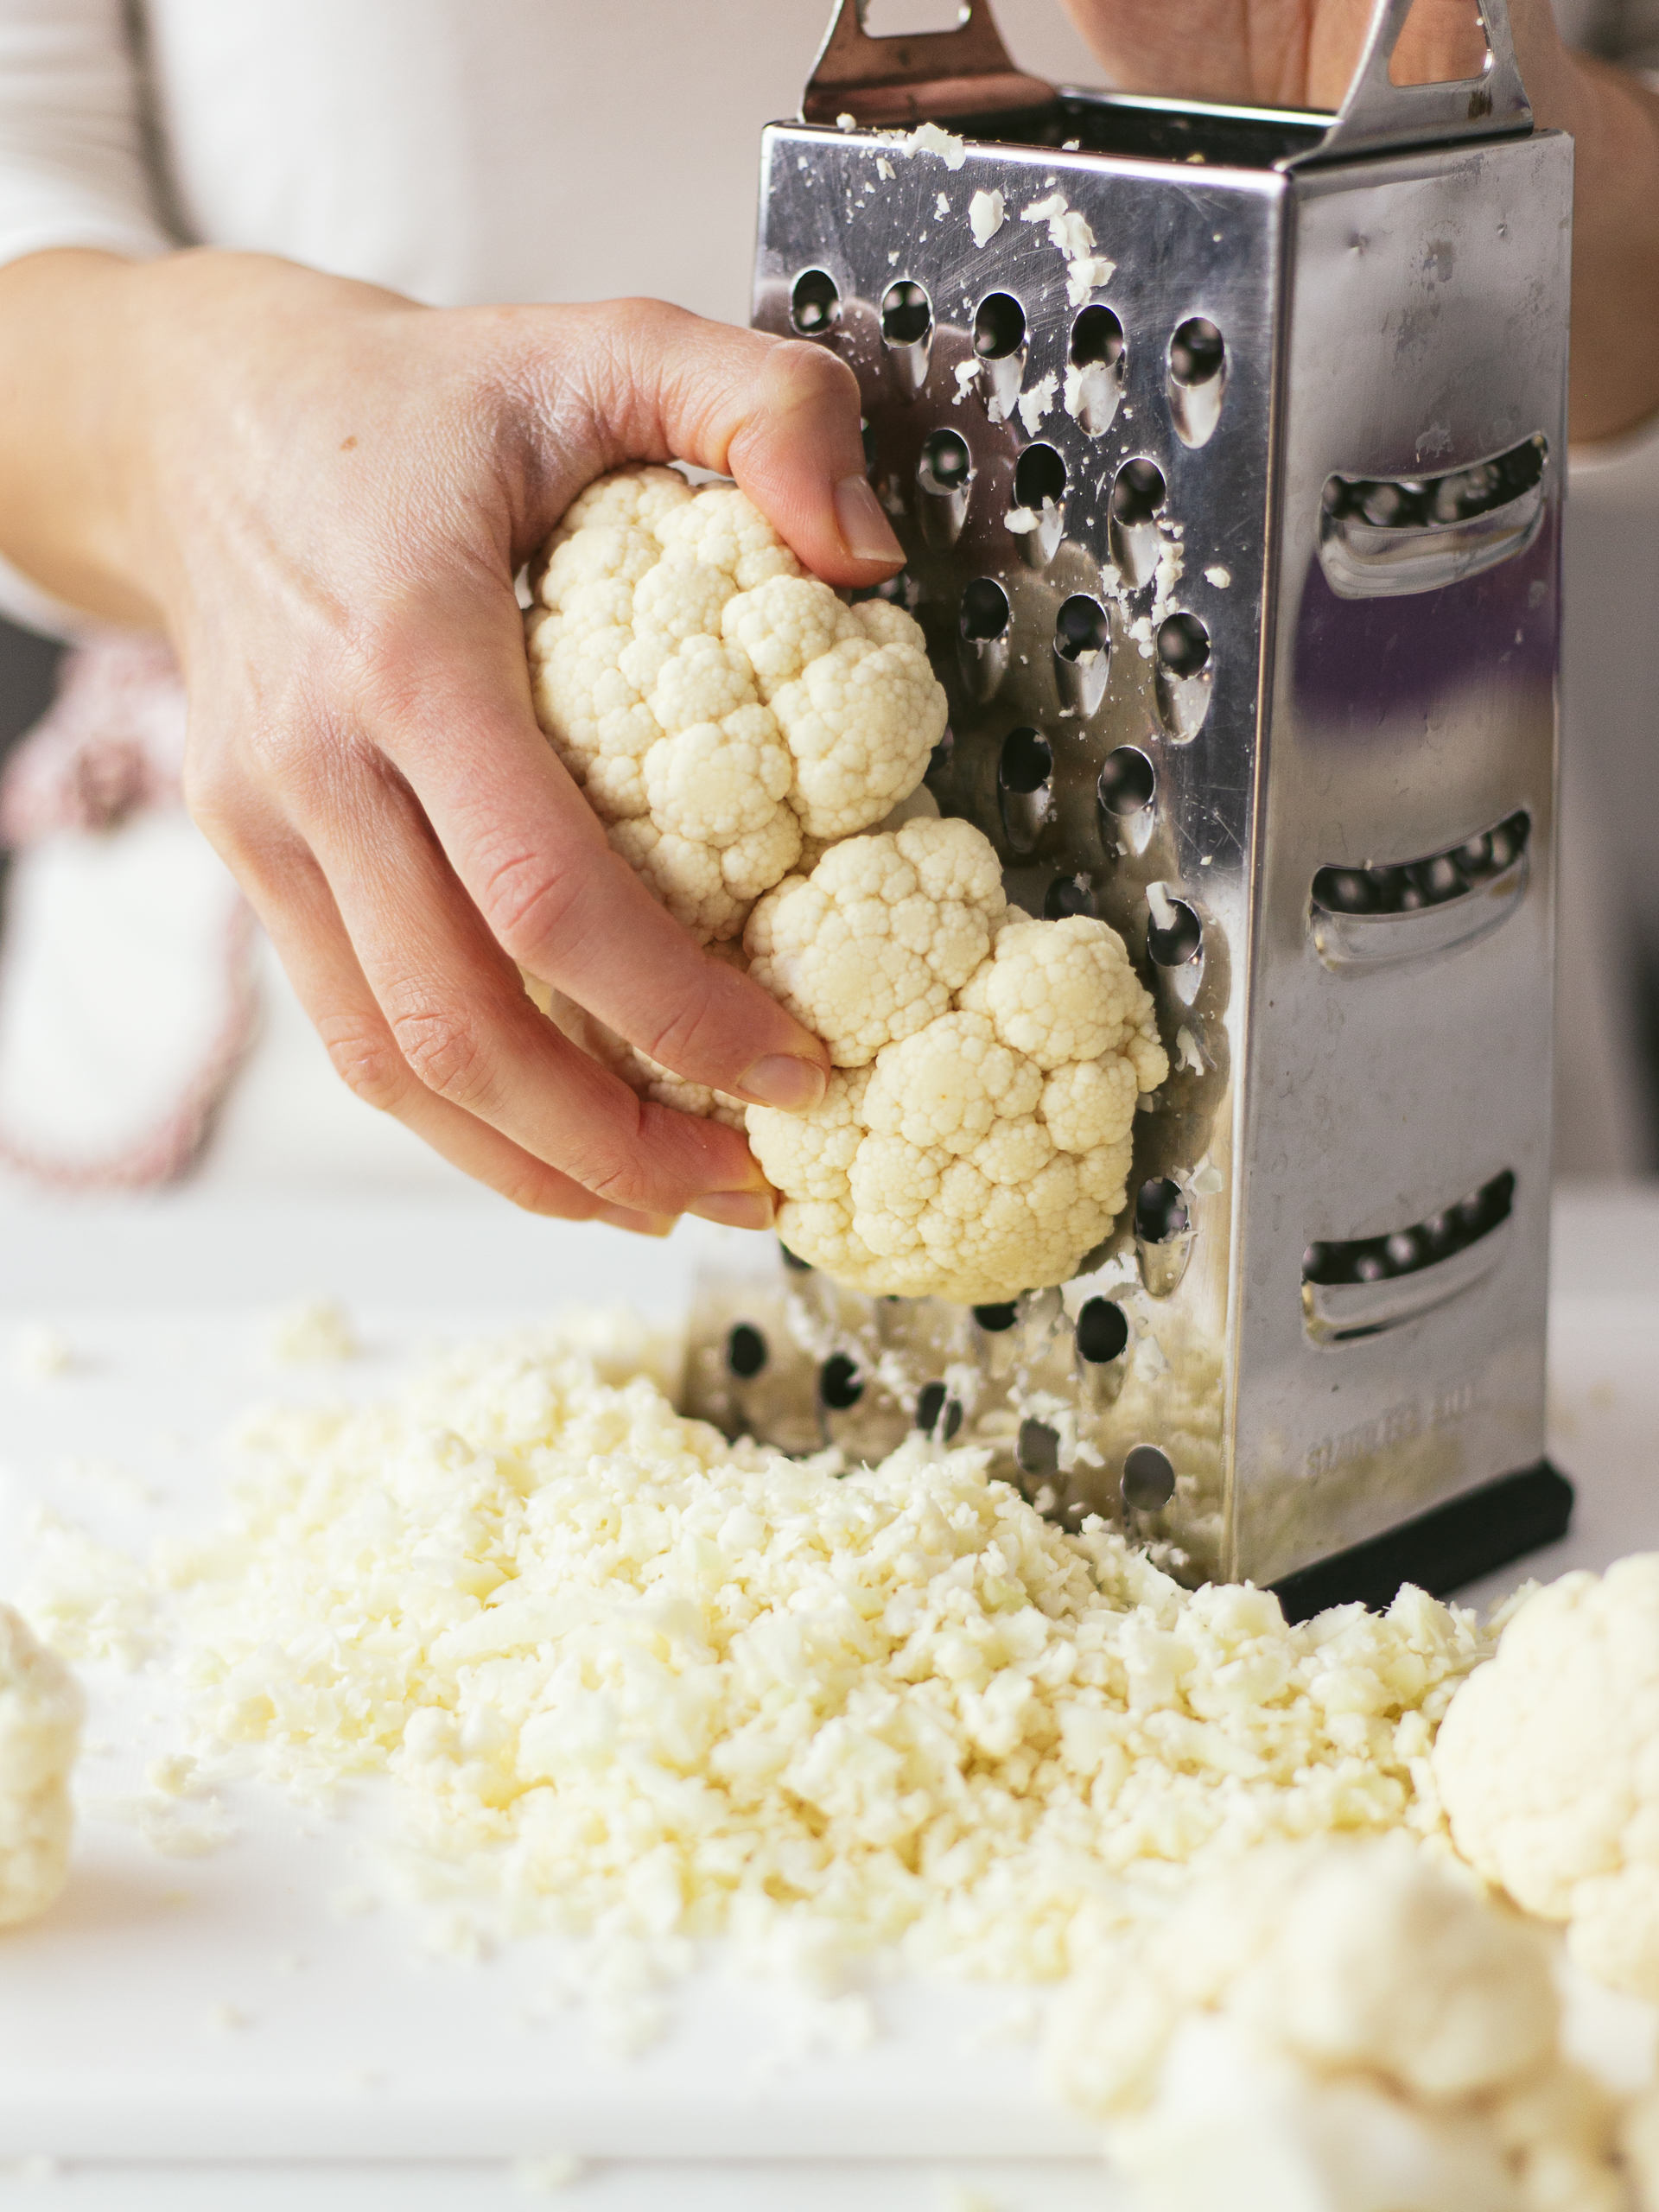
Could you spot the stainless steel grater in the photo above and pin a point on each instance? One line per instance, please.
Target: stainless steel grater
(1233, 522)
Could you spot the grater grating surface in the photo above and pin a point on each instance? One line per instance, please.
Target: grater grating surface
(1235, 536)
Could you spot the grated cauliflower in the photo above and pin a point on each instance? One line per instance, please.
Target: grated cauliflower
(1549, 1767)
(633, 1679)
(1344, 2026)
(41, 1712)
(974, 1140)
(718, 706)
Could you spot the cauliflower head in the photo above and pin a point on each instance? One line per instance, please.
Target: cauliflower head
(41, 1712)
(1547, 1764)
(718, 706)
(974, 1139)
(1348, 2024)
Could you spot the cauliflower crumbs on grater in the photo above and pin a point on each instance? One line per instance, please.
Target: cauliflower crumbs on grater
(41, 1713)
(987, 213)
(632, 1679)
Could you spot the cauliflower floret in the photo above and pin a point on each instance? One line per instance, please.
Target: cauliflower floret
(716, 705)
(1348, 2025)
(1548, 1766)
(974, 1140)
(876, 941)
(40, 1711)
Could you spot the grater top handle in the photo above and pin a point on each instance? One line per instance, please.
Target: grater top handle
(1378, 116)
(915, 77)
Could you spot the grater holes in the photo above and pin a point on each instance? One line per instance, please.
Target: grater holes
(999, 327)
(1407, 887)
(995, 1318)
(746, 1351)
(936, 1412)
(1127, 782)
(983, 638)
(1176, 936)
(814, 302)
(1068, 895)
(1040, 477)
(907, 332)
(1148, 1479)
(1184, 674)
(1161, 1212)
(1138, 495)
(1439, 529)
(1357, 1286)
(1197, 378)
(1037, 1449)
(1102, 1330)
(1098, 366)
(1082, 642)
(984, 613)
(840, 1384)
(906, 313)
(1025, 796)
(944, 476)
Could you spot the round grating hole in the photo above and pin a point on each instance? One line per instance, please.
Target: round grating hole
(1038, 1448)
(1027, 761)
(1039, 477)
(1160, 1212)
(984, 614)
(906, 313)
(1183, 644)
(1097, 338)
(995, 1318)
(1128, 781)
(840, 1384)
(1081, 626)
(1138, 491)
(1102, 1330)
(1148, 1479)
(946, 459)
(1197, 353)
(999, 327)
(746, 1351)
(1068, 895)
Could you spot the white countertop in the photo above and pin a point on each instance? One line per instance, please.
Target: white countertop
(368, 2054)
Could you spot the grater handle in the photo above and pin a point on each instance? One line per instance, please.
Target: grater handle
(1377, 114)
(916, 79)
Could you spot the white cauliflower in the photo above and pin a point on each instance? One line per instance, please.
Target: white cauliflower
(1548, 1766)
(1347, 2027)
(974, 1139)
(718, 705)
(40, 1711)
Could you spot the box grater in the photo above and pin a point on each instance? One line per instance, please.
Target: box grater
(1226, 447)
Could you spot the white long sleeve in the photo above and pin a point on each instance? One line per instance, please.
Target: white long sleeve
(72, 162)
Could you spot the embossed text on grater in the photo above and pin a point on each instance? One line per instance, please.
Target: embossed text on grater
(1231, 514)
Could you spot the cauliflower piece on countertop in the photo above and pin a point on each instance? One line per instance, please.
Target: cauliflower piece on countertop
(717, 705)
(1348, 2026)
(1548, 1766)
(974, 1139)
(41, 1713)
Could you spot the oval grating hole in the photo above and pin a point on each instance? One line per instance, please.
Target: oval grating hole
(1040, 477)
(1183, 644)
(1102, 1330)
(840, 1383)
(1128, 781)
(999, 327)
(906, 313)
(1177, 938)
(1197, 353)
(984, 616)
(746, 1351)
(814, 302)
(995, 1318)
(1097, 339)
(1160, 1214)
(946, 459)
(1038, 1448)
(1027, 761)
(1138, 491)
(1081, 626)
(1148, 1479)
(1068, 895)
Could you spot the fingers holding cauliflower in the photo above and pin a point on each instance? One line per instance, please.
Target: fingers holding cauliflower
(737, 726)
(716, 704)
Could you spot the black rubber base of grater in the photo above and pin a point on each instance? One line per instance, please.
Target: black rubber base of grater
(1439, 1550)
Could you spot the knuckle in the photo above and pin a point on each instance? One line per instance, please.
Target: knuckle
(527, 902)
(443, 1049)
(368, 1063)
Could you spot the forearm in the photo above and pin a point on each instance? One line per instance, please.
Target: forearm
(67, 335)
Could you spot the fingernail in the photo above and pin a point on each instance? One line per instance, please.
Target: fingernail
(736, 1209)
(781, 1080)
(865, 531)
(638, 1225)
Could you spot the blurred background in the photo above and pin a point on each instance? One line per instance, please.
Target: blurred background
(665, 207)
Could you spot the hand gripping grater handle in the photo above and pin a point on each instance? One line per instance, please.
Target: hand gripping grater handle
(968, 71)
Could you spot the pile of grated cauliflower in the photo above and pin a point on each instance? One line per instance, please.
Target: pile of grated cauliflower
(636, 1680)
(743, 732)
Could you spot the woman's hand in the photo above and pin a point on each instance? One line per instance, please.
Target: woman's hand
(323, 493)
(1303, 52)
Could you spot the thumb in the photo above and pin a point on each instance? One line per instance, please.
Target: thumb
(781, 415)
